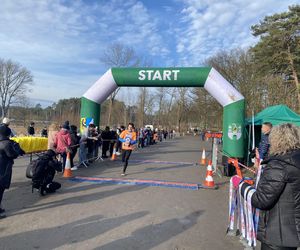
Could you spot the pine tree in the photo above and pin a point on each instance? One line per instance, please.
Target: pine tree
(278, 51)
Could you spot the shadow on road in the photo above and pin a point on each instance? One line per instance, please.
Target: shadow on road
(77, 231)
(153, 235)
(78, 199)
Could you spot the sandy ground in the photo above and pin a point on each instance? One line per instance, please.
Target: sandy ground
(108, 216)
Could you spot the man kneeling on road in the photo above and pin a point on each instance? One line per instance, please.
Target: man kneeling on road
(43, 173)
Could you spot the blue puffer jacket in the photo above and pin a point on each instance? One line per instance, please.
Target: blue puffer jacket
(264, 146)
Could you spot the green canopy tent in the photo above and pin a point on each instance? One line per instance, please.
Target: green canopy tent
(276, 115)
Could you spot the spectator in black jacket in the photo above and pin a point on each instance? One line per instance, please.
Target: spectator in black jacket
(30, 129)
(44, 172)
(278, 191)
(106, 137)
(6, 122)
(74, 144)
(8, 153)
(264, 145)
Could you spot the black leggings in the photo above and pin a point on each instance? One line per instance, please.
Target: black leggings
(265, 246)
(125, 157)
(72, 156)
(64, 157)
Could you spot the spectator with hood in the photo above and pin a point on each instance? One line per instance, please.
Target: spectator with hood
(8, 153)
(63, 142)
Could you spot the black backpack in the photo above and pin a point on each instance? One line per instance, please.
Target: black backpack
(29, 168)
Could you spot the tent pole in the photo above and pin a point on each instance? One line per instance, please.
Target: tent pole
(248, 147)
(253, 135)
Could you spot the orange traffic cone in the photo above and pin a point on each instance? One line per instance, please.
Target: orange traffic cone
(203, 159)
(114, 154)
(209, 181)
(68, 171)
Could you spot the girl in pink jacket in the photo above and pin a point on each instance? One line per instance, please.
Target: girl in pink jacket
(63, 142)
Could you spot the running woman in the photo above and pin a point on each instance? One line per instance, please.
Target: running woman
(128, 139)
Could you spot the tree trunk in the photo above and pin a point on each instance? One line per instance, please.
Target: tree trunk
(109, 111)
(295, 76)
(125, 115)
(2, 112)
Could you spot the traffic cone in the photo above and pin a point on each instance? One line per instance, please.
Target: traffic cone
(68, 171)
(209, 181)
(114, 154)
(203, 159)
(209, 170)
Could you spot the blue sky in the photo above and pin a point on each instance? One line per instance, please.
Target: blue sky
(61, 41)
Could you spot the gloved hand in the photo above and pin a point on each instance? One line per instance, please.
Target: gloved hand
(236, 181)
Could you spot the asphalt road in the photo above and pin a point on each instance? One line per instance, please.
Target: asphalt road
(85, 215)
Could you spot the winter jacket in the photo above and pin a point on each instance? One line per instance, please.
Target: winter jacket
(264, 146)
(62, 141)
(74, 139)
(278, 197)
(30, 130)
(45, 169)
(7, 156)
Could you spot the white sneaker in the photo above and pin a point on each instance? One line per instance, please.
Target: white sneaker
(117, 153)
(123, 174)
(74, 168)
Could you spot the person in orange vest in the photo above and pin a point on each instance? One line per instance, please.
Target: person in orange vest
(128, 139)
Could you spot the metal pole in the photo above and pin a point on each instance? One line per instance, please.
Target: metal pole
(214, 154)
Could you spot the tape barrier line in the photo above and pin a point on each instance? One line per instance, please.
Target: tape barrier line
(173, 184)
(163, 162)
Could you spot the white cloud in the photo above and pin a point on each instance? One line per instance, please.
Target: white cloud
(61, 42)
(210, 26)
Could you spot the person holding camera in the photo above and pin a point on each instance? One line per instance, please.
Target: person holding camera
(43, 172)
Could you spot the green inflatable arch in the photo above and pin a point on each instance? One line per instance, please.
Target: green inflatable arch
(207, 77)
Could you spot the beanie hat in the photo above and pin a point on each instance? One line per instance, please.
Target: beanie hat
(66, 125)
(6, 121)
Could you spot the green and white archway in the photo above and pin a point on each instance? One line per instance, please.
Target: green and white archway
(207, 77)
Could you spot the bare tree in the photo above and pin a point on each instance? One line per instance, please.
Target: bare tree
(145, 106)
(182, 106)
(141, 106)
(161, 93)
(118, 55)
(260, 91)
(14, 81)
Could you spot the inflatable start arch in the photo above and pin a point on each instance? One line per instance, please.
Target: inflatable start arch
(207, 77)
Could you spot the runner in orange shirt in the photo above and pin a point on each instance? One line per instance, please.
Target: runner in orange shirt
(128, 139)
